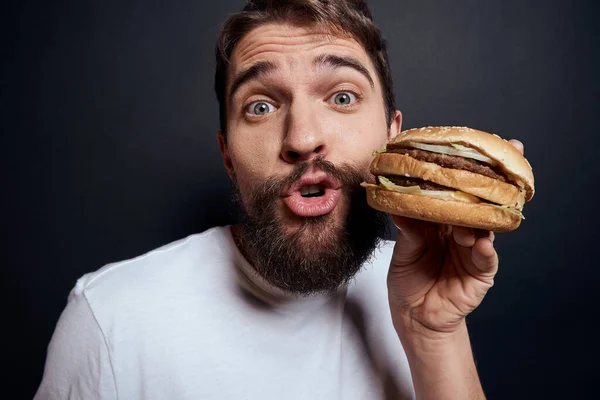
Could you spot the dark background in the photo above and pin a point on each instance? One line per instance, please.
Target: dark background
(108, 147)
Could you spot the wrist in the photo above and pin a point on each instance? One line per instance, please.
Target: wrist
(441, 363)
(415, 334)
(426, 321)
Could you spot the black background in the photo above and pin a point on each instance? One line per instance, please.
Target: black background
(108, 151)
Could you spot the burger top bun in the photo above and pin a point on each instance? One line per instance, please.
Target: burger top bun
(510, 160)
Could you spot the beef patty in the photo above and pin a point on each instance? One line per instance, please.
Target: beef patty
(454, 162)
(425, 185)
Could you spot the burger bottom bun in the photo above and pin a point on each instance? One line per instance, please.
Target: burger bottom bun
(458, 213)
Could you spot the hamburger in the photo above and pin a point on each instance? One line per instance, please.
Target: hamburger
(452, 175)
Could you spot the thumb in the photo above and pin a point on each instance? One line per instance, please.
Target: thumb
(412, 240)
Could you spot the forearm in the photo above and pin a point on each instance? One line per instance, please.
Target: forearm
(442, 366)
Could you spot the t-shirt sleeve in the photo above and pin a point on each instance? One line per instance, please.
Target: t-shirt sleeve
(78, 364)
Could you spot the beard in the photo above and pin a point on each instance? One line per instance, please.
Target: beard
(322, 254)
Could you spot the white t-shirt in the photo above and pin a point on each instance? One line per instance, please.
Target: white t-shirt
(191, 320)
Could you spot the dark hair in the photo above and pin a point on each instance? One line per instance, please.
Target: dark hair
(348, 17)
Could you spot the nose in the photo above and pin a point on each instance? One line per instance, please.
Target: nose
(304, 136)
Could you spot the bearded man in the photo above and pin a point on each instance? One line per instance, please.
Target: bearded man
(302, 299)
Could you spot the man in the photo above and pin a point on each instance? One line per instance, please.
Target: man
(301, 300)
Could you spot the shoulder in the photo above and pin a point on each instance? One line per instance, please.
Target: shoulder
(156, 274)
(368, 306)
(156, 261)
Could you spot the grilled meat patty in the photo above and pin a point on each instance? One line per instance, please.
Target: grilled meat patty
(454, 162)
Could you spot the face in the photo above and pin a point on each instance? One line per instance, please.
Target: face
(305, 111)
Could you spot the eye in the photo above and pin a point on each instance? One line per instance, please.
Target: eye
(260, 108)
(344, 98)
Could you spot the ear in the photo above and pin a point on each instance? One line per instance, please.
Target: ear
(225, 154)
(396, 125)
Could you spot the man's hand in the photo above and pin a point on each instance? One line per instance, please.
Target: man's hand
(439, 274)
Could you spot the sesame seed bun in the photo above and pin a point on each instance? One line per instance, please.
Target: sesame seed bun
(452, 175)
(514, 164)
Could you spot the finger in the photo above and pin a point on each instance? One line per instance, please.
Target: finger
(482, 233)
(463, 236)
(411, 231)
(484, 256)
(445, 230)
(412, 239)
(518, 145)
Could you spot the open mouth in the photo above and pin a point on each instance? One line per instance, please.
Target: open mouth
(314, 195)
(308, 191)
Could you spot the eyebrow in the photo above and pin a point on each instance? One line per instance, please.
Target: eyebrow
(253, 72)
(262, 68)
(333, 61)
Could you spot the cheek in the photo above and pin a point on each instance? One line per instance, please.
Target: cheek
(373, 126)
(254, 150)
(250, 165)
(245, 168)
(358, 135)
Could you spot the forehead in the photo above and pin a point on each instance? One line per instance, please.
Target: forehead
(292, 45)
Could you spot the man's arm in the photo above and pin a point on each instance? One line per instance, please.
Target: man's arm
(442, 366)
(438, 275)
(77, 363)
(434, 284)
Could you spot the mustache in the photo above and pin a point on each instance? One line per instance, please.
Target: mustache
(348, 175)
